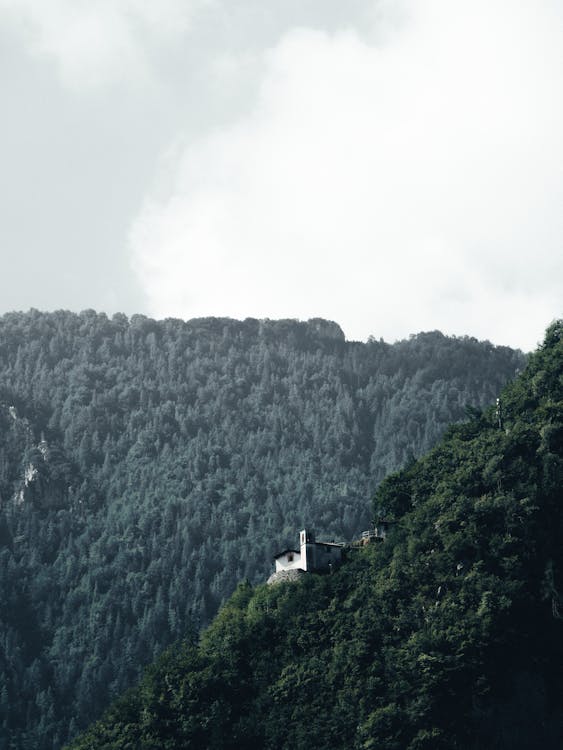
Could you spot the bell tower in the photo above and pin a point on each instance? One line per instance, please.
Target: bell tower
(307, 546)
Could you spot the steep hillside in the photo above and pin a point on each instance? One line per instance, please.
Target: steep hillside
(146, 467)
(447, 635)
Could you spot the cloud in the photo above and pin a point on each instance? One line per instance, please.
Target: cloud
(411, 183)
(96, 42)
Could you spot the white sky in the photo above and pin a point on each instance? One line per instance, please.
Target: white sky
(394, 166)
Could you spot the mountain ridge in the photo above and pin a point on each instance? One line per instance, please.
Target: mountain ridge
(166, 460)
(447, 635)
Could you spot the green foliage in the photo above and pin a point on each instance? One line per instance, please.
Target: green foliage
(146, 467)
(447, 635)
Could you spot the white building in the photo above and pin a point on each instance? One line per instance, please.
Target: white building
(311, 556)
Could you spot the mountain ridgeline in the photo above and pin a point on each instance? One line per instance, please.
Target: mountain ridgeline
(146, 467)
(446, 636)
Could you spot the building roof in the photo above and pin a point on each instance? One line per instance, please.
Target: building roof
(281, 554)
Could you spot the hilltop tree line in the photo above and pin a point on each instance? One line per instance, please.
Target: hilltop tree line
(446, 636)
(146, 467)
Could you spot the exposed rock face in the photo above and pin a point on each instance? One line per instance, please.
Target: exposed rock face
(286, 575)
(327, 328)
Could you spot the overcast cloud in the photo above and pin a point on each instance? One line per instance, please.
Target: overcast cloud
(395, 166)
(97, 43)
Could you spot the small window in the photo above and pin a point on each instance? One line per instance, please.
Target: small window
(290, 557)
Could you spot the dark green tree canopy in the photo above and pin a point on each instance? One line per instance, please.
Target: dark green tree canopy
(449, 634)
(147, 466)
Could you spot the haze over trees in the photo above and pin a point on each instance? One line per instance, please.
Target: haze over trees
(446, 636)
(146, 467)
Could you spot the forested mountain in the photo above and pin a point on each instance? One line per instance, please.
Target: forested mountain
(146, 467)
(448, 635)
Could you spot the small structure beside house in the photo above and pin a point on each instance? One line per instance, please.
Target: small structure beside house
(377, 534)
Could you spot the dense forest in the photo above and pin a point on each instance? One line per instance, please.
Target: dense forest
(447, 635)
(146, 467)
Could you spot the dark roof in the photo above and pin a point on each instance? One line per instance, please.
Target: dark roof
(295, 551)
